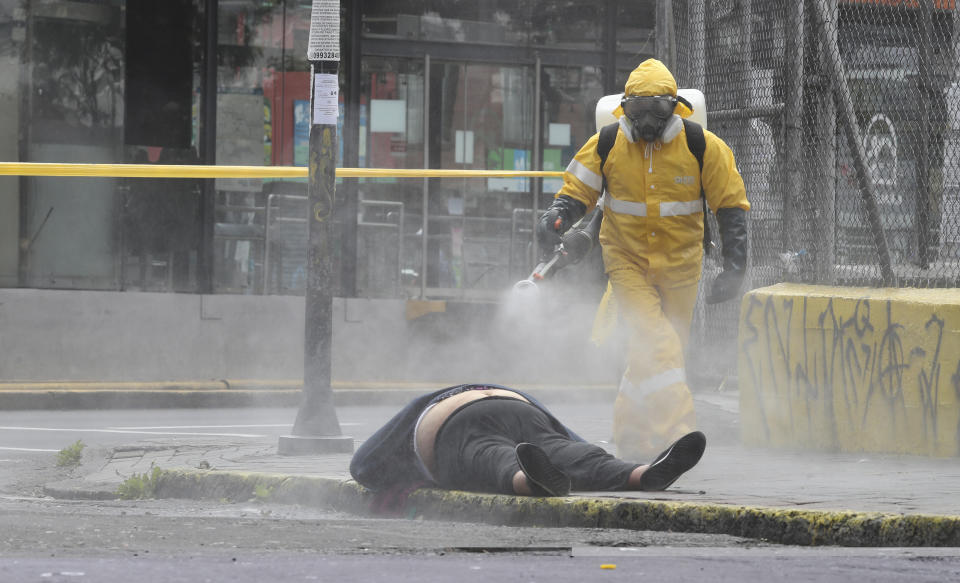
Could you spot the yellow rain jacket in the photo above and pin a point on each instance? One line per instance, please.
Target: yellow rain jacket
(653, 217)
(652, 240)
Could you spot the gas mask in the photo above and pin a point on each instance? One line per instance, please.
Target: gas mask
(648, 114)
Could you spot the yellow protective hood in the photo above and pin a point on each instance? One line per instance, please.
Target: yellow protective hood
(652, 77)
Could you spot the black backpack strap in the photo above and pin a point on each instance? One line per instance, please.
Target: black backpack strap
(697, 144)
(696, 141)
(608, 136)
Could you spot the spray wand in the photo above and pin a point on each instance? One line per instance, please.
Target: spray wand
(573, 246)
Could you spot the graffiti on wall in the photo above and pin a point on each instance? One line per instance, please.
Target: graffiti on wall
(848, 374)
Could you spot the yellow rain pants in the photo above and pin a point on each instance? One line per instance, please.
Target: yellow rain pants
(654, 406)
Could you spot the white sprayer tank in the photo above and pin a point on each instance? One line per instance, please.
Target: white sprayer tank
(608, 103)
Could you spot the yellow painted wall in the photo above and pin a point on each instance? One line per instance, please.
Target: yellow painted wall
(851, 369)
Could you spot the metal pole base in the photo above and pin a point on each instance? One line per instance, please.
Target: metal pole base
(312, 445)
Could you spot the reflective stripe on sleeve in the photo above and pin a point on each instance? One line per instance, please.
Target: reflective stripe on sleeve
(636, 392)
(586, 176)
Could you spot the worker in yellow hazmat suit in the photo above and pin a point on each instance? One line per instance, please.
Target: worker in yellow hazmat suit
(651, 239)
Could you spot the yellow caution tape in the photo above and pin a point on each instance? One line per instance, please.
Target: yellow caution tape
(196, 171)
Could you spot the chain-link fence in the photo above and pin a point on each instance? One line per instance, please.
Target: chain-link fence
(844, 119)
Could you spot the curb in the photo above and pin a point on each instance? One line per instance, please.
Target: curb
(79, 490)
(793, 527)
(344, 496)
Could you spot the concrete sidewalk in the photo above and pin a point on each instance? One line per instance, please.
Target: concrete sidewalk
(779, 496)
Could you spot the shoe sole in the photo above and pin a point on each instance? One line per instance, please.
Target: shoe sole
(545, 479)
(674, 462)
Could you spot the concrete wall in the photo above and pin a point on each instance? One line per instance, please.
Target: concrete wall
(104, 336)
(851, 369)
(51, 335)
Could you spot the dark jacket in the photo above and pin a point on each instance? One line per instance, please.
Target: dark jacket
(387, 460)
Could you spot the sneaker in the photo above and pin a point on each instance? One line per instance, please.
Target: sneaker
(673, 462)
(544, 478)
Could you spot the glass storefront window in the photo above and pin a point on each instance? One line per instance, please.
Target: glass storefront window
(570, 97)
(9, 142)
(481, 117)
(75, 110)
(262, 119)
(636, 31)
(554, 23)
(160, 241)
(570, 24)
(86, 104)
(391, 134)
(486, 119)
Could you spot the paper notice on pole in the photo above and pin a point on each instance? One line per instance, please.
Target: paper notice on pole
(326, 90)
(324, 41)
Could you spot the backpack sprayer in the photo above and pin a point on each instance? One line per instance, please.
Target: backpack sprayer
(574, 246)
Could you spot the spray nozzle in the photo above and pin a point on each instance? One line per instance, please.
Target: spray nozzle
(573, 247)
(526, 288)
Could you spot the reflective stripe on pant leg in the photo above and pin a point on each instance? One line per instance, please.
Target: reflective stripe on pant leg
(637, 391)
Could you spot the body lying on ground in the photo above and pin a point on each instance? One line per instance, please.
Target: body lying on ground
(494, 439)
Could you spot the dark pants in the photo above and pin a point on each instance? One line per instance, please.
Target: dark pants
(475, 449)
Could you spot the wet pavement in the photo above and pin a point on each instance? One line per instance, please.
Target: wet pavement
(790, 496)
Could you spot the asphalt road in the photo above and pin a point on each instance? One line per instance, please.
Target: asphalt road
(50, 431)
(43, 539)
(46, 430)
(157, 542)
(171, 541)
(480, 568)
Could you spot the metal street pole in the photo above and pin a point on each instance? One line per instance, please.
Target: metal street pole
(316, 429)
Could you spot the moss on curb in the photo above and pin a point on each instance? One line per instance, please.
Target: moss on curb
(786, 526)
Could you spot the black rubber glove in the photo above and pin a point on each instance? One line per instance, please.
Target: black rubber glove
(733, 235)
(559, 216)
